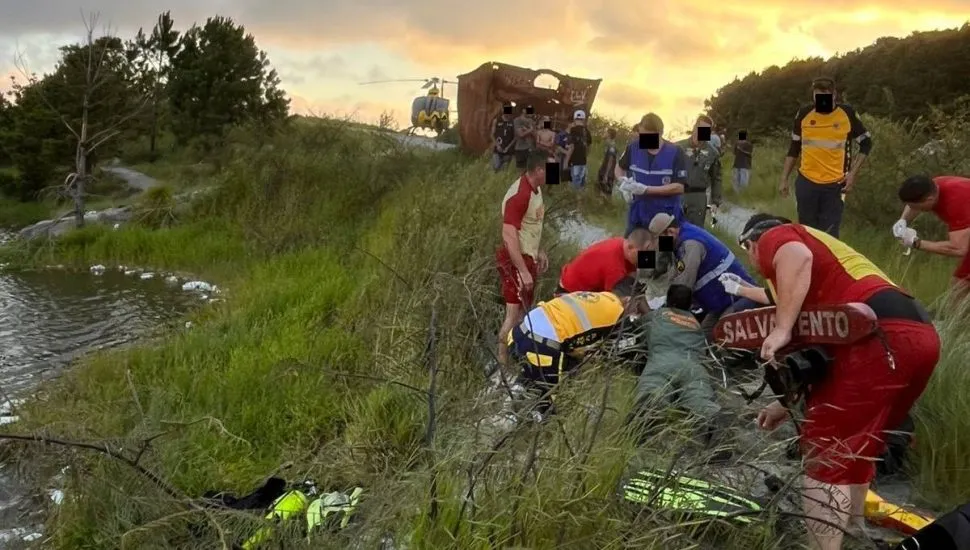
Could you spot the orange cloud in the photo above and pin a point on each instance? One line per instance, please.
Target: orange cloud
(347, 106)
(631, 97)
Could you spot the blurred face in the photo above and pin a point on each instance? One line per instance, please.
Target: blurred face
(925, 205)
(751, 248)
(630, 252)
(700, 124)
(538, 176)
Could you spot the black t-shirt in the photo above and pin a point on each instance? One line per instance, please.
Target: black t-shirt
(580, 139)
(742, 155)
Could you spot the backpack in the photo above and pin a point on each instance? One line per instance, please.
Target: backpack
(949, 532)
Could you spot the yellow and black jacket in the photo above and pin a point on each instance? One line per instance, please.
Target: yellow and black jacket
(582, 319)
(825, 142)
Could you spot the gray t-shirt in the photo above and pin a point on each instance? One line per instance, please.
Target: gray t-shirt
(526, 143)
(690, 255)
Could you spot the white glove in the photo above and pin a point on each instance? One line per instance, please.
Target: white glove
(898, 229)
(732, 283)
(908, 236)
(657, 303)
(631, 185)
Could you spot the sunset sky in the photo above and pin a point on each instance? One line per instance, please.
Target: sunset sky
(658, 55)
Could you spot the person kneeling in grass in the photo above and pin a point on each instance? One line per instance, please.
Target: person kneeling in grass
(555, 336)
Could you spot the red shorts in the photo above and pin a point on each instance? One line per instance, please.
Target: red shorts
(862, 397)
(511, 282)
(963, 271)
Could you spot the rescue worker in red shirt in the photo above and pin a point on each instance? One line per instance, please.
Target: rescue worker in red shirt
(949, 198)
(601, 266)
(870, 385)
(520, 259)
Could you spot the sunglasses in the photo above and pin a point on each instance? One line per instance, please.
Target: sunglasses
(745, 244)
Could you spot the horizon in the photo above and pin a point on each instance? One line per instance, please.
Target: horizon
(322, 57)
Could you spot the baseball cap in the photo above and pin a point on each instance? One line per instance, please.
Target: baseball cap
(660, 223)
(579, 115)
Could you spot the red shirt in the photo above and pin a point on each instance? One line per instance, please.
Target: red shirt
(840, 275)
(598, 268)
(953, 206)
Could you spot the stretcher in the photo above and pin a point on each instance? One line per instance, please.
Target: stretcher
(678, 493)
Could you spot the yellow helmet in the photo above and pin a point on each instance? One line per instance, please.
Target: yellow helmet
(433, 91)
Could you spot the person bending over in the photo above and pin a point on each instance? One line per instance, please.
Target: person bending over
(555, 336)
(871, 384)
(604, 264)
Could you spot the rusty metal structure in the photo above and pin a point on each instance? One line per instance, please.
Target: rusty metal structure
(482, 92)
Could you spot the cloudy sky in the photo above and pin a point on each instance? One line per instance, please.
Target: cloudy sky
(660, 55)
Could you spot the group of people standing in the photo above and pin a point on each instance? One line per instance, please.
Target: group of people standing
(870, 385)
(515, 137)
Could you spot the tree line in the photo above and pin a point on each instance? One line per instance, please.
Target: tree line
(106, 92)
(895, 78)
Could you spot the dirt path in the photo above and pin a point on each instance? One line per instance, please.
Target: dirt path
(133, 178)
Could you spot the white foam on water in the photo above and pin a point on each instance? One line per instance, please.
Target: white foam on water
(198, 285)
(145, 276)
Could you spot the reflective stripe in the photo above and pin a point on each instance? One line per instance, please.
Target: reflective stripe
(824, 143)
(538, 360)
(667, 172)
(796, 137)
(578, 310)
(716, 272)
(863, 137)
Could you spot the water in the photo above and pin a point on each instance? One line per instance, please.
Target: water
(48, 318)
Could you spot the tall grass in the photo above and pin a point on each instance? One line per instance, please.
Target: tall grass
(361, 280)
(941, 466)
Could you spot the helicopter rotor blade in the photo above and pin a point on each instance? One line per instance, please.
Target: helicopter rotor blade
(396, 80)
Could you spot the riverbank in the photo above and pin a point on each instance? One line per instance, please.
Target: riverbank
(335, 274)
(348, 352)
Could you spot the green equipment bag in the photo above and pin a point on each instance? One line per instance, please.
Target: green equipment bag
(332, 511)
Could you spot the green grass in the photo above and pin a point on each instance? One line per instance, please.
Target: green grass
(15, 214)
(340, 264)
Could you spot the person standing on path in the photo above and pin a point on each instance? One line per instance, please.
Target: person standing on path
(703, 173)
(607, 172)
(546, 137)
(503, 138)
(578, 149)
(822, 136)
(871, 384)
(741, 171)
(949, 198)
(520, 258)
(525, 136)
(659, 170)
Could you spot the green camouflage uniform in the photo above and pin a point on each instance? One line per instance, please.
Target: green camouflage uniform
(678, 350)
(703, 173)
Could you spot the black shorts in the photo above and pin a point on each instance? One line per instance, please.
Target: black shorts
(521, 158)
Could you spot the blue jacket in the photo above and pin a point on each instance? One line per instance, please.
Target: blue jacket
(653, 173)
(708, 291)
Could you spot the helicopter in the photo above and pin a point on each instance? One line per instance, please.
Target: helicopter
(429, 112)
